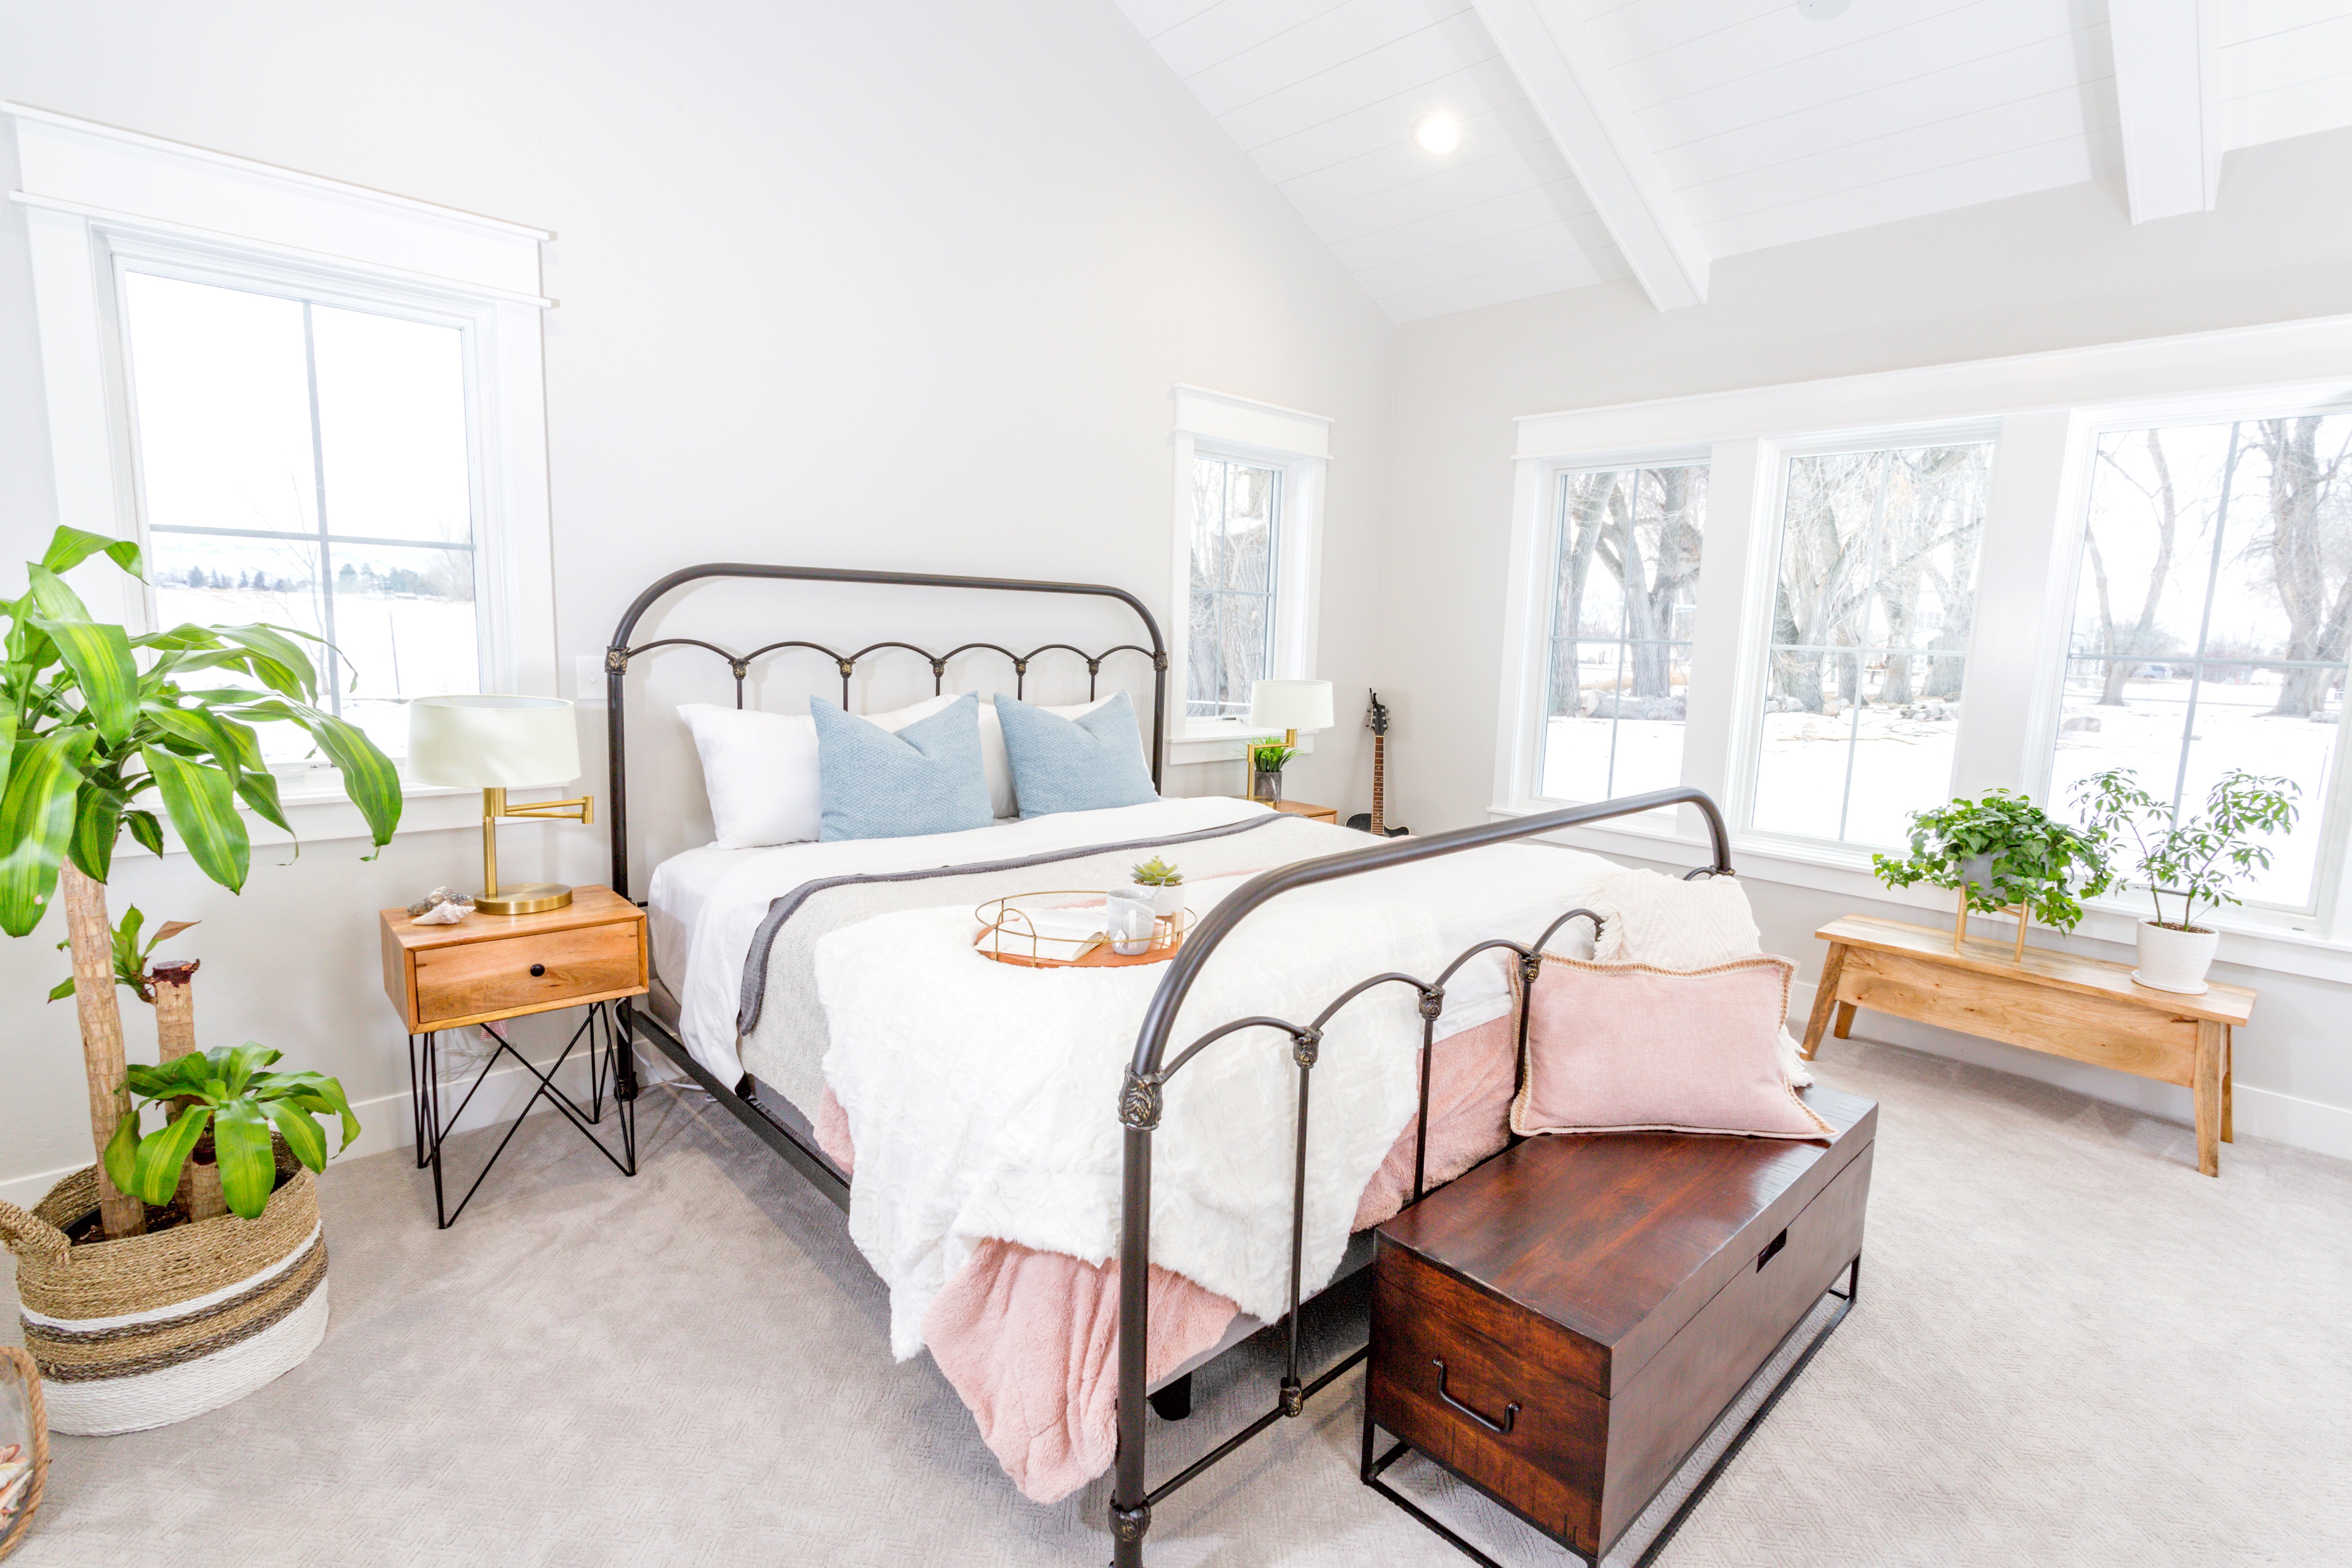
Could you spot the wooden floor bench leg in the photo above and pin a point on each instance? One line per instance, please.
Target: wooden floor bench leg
(1845, 1020)
(1824, 1002)
(2229, 1072)
(2207, 1090)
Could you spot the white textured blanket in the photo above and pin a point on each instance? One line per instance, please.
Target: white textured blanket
(983, 1101)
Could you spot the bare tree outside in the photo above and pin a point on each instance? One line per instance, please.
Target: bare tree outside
(1874, 601)
(1624, 590)
(1236, 520)
(2213, 618)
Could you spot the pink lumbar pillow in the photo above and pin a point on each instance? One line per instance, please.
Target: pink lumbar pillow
(1622, 1048)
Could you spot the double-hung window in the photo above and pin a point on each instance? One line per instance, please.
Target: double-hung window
(1232, 608)
(1873, 596)
(1247, 555)
(2213, 623)
(307, 465)
(314, 405)
(1624, 595)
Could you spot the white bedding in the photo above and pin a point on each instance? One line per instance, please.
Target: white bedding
(717, 898)
(706, 905)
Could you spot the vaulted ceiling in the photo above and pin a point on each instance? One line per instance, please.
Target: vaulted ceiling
(1602, 139)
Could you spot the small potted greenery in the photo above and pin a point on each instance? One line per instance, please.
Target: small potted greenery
(2002, 854)
(2195, 861)
(1267, 758)
(1160, 885)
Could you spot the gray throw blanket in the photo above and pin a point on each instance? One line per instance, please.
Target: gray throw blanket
(781, 1029)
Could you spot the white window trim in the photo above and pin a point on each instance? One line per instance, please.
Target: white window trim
(1300, 444)
(2048, 408)
(96, 196)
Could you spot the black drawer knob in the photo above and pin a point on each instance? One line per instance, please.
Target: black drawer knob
(537, 969)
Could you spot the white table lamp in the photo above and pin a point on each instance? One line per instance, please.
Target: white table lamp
(495, 744)
(1290, 706)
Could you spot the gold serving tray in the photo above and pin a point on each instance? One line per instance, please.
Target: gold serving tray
(1008, 935)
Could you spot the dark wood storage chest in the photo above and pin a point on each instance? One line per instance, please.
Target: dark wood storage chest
(1562, 1326)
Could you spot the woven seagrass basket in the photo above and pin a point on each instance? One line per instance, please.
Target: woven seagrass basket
(149, 1329)
(20, 1398)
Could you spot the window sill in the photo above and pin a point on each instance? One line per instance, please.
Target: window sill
(2108, 930)
(321, 814)
(1209, 740)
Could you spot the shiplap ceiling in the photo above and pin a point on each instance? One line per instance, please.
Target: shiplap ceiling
(1603, 138)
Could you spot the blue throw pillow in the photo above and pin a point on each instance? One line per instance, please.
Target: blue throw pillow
(874, 783)
(1074, 764)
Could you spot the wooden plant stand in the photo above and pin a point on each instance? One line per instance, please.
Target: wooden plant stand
(2085, 1008)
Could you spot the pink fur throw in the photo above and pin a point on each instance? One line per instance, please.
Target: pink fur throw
(1615, 1047)
(1029, 1340)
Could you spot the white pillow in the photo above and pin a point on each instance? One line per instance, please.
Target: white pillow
(1672, 924)
(758, 769)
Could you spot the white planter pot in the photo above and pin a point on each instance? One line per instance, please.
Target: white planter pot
(2173, 960)
(1165, 902)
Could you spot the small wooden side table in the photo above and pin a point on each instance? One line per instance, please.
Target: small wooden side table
(590, 952)
(1300, 808)
(2085, 1008)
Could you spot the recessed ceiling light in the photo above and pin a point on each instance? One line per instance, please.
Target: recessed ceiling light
(1438, 134)
(1822, 10)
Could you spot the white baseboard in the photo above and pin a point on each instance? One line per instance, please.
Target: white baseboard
(385, 1120)
(2260, 1112)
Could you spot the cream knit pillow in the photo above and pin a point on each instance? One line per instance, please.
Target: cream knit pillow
(1669, 924)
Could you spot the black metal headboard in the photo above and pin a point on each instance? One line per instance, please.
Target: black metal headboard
(618, 654)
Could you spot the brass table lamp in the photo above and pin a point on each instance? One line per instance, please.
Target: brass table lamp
(495, 744)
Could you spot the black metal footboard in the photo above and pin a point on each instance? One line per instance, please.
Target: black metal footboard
(1148, 1075)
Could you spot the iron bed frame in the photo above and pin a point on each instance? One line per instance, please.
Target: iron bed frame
(1142, 1094)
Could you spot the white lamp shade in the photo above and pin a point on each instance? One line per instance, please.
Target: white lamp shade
(1290, 705)
(492, 743)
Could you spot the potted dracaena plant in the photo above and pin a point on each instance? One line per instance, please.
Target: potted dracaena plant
(2195, 861)
(2002, 854)
(1267, 758)
(105, 732)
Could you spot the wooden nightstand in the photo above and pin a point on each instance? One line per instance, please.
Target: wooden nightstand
(1300, 808)
(591, 952)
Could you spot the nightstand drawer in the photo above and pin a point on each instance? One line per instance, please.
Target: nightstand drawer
(532, 971)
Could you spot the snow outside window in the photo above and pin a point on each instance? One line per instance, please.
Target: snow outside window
(1625, 590)
(2210, 622)
(307, 465)
(1875, 588)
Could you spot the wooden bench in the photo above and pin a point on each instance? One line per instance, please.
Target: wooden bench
(2085, 1008)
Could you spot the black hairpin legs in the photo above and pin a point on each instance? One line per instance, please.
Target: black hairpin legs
(611, 1065)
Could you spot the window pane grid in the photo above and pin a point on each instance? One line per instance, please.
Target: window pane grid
(308, 466)
(1625, 574)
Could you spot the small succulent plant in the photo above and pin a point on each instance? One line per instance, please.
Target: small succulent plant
(1158, 873)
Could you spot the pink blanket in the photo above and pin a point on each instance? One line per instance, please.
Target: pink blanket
(1030, 1340)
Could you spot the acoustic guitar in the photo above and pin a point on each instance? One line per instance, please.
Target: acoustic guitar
(1374, 821)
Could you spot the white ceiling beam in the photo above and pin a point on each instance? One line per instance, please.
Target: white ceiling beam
(2164, 93)
(1568, 80)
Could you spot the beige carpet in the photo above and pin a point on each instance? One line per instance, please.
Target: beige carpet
(2070, 1349)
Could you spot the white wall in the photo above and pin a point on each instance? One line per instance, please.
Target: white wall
(890, 285)
(2060, 268)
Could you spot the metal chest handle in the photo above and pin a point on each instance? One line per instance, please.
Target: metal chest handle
(1500, 1428)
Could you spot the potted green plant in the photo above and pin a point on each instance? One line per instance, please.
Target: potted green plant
(1267, 758)
(107, 733)
(1160, 885)
(2002, 853)
(2195, 861)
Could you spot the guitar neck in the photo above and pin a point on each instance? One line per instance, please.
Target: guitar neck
(1380, 780)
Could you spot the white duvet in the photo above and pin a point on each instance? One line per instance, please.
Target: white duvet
(983, 1100)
